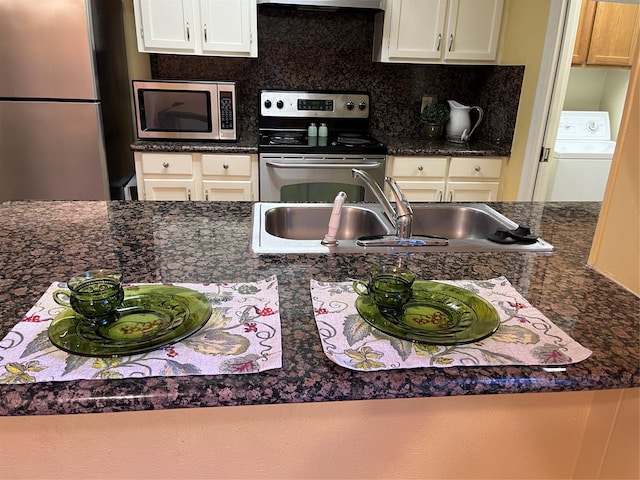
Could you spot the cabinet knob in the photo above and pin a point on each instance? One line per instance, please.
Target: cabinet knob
(477, 169)
(420, 168)
(165, 164)
(225, 166)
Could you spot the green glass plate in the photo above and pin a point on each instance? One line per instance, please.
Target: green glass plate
(150, 317)
(437, 314)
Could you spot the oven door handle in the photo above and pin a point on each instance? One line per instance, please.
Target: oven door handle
(364, 166)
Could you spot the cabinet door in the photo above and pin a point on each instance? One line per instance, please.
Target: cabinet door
(471, 191)
(416, 29)
(228, 190)
(167, 25)
(583, 35)
(423, 191)
(473, 28)
(169, 189)
(614, 35)
(228, 27)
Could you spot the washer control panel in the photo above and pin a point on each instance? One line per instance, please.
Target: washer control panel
(576, 125)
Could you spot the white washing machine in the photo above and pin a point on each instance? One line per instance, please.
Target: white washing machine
(582, 157)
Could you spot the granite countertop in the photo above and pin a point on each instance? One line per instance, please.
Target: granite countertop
(243, 145)
(408, 146)
(42, 242)
(248, 143)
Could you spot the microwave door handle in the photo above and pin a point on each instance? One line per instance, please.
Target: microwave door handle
(364, 166)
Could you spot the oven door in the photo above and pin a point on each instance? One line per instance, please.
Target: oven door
(316, 178)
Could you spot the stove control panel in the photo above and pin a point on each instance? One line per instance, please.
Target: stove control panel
(291, 103)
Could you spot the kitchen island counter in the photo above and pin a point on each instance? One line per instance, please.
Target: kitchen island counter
(42, 242)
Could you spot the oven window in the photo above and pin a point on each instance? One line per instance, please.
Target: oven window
(175, 111)
(320, 192)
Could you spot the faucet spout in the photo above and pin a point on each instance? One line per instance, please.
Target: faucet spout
(377, 192)
(404, 212)
(402, 217)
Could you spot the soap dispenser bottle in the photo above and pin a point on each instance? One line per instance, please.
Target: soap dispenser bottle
(323, 133)
(312, 135)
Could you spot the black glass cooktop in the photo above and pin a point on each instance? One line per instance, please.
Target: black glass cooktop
(339, 142)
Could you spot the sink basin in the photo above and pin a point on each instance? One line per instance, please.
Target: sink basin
(299, 228)
(458, 221)
(310, 223)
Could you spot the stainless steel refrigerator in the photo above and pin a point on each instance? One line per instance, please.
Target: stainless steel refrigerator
(65, 112)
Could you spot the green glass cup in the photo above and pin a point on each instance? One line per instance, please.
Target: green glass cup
(389, 287)
(94, 294)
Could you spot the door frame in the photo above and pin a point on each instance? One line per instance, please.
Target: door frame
(553, 78)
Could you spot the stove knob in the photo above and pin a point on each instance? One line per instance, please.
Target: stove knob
(279, 104)
(267, 104)
(349, 105)
(362, 105)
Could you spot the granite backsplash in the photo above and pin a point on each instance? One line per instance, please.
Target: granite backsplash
(333, 51)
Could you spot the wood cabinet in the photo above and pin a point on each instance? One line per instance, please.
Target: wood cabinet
(197, 27)
(194, 176)
(438, 31)
(607, 34)
(448, 179)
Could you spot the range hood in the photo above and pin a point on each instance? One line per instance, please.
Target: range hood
(327, 4)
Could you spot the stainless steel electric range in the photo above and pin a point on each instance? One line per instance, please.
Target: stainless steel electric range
(296, 165)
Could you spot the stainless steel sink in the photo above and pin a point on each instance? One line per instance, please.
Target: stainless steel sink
(300, 227)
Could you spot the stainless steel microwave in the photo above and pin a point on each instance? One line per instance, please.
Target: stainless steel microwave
(180, 110)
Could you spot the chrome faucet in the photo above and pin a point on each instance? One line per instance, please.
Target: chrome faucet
(402, 216)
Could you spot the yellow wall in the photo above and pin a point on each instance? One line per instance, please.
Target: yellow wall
(616, 246)
(138, 63)
(522, 43)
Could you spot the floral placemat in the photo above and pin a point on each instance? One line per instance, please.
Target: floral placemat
(243, 335)
(524, 337)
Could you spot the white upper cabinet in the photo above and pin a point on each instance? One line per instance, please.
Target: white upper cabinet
(197, 27)
(229, 26)
(439, 31)
(415, 29)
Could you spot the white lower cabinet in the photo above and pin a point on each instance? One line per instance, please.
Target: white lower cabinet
(448, 179)
(195, 176)
(169, 189)
(229, 177)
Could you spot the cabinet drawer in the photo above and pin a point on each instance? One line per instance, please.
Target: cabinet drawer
(477, 167)
(419, 167)
(167, 164)
(230, 165)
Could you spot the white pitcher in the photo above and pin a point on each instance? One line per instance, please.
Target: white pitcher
(458, 127)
